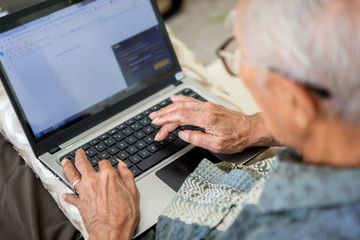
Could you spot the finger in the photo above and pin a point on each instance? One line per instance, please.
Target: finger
(71, 199)
(83, 164)
(128, 178)
(182, 117)
(180, 103)
(178, 98)
(184, 112)
(71, 173)
(105, 165)
(165, 130)
(199, 139)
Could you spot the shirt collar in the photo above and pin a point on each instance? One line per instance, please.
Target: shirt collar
(294, 185)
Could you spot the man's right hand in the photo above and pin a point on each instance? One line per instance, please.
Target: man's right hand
(226, 131)
(108, 200)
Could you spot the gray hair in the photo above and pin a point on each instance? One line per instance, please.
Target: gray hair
(317, 41)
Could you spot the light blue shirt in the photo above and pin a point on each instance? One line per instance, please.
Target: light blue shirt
(296, 201)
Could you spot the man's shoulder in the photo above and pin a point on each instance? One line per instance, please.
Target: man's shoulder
(335, 222)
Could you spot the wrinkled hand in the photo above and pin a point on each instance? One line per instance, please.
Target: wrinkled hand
(108, 201)
(226, 131)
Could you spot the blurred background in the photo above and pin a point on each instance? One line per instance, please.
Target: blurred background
(200, 24)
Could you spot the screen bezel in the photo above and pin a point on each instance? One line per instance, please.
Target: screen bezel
(78, 126)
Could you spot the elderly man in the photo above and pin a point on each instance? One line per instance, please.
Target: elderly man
(299, 59)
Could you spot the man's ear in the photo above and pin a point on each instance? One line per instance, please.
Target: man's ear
(300, 104)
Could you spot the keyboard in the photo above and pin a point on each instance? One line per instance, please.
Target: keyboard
(133, 141)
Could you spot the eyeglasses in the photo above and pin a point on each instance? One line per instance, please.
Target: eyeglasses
(231, 57)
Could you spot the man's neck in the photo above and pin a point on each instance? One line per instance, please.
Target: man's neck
(334, 143)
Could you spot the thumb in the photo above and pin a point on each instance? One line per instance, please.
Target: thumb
(71, 199)
(197, 138)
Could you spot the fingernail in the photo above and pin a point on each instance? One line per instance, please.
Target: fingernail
(121, 163)
(152, 115)
(64, 161)
(156, 137)
(155, 121)
(64, 196)
(184, 136)
(79, 150)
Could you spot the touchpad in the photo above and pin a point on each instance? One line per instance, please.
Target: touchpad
(176, 172)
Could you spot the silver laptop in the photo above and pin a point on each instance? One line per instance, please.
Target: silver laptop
(87, 74)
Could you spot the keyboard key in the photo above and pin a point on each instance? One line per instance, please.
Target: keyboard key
(187, 127)
(153, 148)
(128, 131)
(122, 145)
(94, 142)
(193, 95)
(121, 126)
(94, 161)
(128, 163)
(103, 155)
(156, 127)
(198, 129)
(146, 113)
(171, 138)
(140, 144)
(136, 171)
(118, 136)
(148, 130)
(201, 99)
(130, 140)
(104, 136)
(136, 126)
(130, 122)
(91, 152)
(162, 143)
(132, 150)
(145, 122)
(114, 161)
(149, 139)
(164, 103)
(135, 159)
(73, 153)
(155, 108)
(186, 91)
(67, 156)
(85, 147)
(144, 153)
(110, 141)
(176, 132)
(113, 150)
(72, 160)
(112, 131)
(160, 155)
(138, 117)
(123, 155)
(140, 135)
(100, 147)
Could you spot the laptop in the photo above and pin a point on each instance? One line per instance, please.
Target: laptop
(87, 74)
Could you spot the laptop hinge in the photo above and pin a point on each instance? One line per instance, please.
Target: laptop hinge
(54, 150)
(179, 76)
(177, 83)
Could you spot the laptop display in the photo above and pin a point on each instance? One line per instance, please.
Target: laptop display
(75, 62)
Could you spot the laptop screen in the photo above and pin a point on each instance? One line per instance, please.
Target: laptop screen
(81, 59)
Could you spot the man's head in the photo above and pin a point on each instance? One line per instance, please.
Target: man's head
(309, 43)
